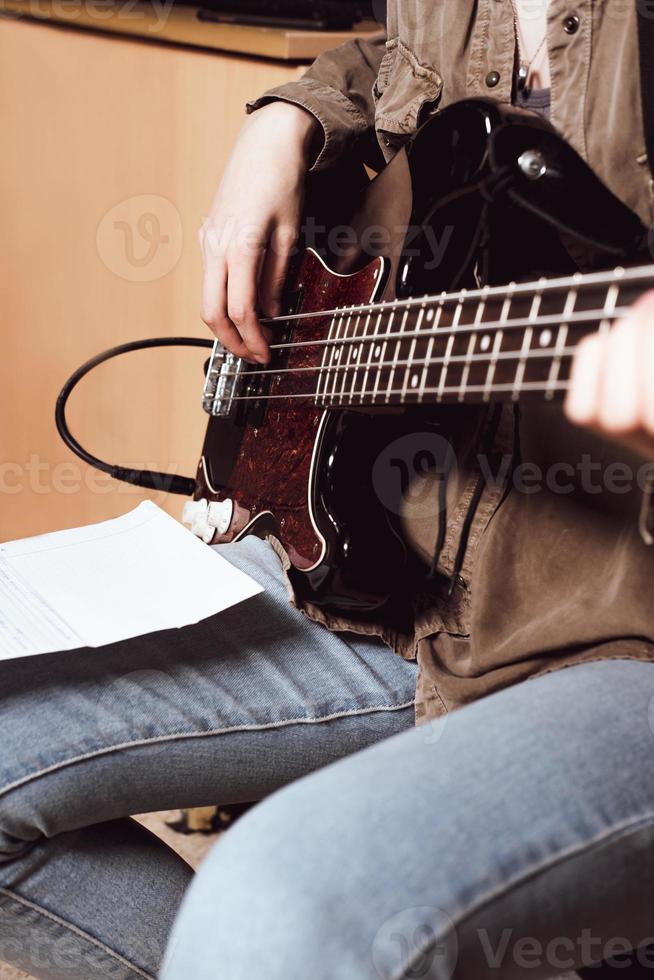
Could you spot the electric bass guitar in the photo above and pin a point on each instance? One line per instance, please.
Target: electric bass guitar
(462, 276)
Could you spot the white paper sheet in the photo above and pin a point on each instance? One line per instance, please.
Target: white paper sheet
(94, 585)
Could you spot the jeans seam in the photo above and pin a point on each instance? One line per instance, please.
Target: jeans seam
(501, 890)
(178, 736)
(80, 933)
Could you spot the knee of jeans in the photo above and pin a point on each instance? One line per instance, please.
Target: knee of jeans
(21, 825)
(267, 902)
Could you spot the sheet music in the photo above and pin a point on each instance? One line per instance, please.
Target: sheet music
(95, 585)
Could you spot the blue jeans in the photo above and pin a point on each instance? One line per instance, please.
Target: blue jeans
(513, 838)
(226, 711)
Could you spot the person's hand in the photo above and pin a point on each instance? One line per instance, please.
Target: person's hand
(612, 382)
(249, 234)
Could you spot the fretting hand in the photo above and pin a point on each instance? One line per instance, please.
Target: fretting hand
(612, 383)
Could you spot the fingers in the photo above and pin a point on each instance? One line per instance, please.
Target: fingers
(243, 265)
(619, 396)
(214, 294)
(228, 301)
(612, 380)
(583, 393)
(275, 269)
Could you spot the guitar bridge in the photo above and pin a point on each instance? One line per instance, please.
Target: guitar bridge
(223, 381)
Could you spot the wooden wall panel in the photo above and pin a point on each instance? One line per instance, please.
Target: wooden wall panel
(112, 150)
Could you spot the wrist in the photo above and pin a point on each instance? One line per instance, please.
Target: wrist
(295, 124)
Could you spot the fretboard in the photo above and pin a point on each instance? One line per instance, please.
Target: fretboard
(497, 343)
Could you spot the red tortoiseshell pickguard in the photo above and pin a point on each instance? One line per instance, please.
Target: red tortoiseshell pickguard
(272, 468)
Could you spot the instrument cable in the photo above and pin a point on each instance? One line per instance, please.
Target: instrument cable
(150, 479)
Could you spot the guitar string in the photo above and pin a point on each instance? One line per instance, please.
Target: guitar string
(559, 355)
(549, 388)
(578, 280)
(534, 387)
(491, 327)
(360, 363)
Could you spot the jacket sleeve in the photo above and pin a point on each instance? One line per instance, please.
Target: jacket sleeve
(337, 90)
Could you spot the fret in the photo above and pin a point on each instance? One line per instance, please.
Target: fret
(450, 345)
(398, 348)
(323, 373)
(628, 291)
(471, 346)
(360, 356)
(336, 356)
(474, 345)
(335, 359)
(512, 327)
(497, 345)
(372, 342)
(379, 357)
(410, 375)
(449, 393)
(526, 343)
(502, 392)
(561, 341)
(610, 302)
(433, 318)
(464, 328)
(352, 352)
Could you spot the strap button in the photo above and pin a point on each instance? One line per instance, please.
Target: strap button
(571, 24)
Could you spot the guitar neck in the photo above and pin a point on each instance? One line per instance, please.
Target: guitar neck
(493, 344)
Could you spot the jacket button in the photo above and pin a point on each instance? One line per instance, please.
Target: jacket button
(571, 24)
(492, 78)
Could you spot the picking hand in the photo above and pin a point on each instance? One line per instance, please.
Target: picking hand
(248, 236)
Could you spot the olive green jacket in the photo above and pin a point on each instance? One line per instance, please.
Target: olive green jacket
(556, 575)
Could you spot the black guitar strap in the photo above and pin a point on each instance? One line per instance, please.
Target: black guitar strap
(645, 18)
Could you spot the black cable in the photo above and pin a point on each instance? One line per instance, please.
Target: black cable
(166, 482)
